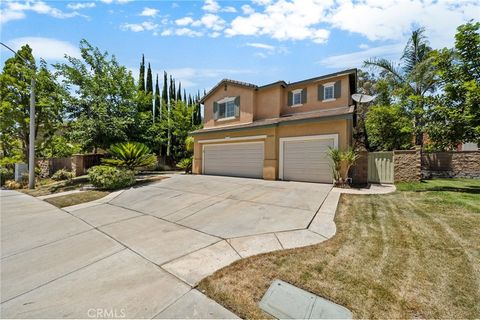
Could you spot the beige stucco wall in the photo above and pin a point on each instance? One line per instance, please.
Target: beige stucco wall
(341, 127)
(312, 96)
(268, 103)
(247, 96)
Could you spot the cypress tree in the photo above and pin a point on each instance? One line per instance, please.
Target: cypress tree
(149, 86)
(172, 89)
(185, 96)
(165, 88)
(156, 105)
(141, 76)
(179, 92)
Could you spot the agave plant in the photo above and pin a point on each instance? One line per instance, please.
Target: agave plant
(130, 155)
(185, 164)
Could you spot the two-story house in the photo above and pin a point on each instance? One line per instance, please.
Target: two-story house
(276, 131)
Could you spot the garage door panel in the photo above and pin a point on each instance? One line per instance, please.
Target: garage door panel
(234, 159)
(307, 160)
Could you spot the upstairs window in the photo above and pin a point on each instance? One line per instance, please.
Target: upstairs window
(226, 108)
(297, 98)
(328, 92)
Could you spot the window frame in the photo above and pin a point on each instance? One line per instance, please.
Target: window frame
(297, 92)
(228, 105)
(328, 86)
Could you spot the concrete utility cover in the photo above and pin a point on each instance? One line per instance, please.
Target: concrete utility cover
(284, 301)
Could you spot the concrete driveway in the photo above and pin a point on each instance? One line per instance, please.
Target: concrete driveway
(141, 252)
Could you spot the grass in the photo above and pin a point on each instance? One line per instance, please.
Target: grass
(411, 254)
(48, 186)
(76, 198)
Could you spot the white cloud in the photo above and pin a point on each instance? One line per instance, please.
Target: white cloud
(229, 9)
(260, 46)
(167, 32)
(363, 46)
(356, 59)
(16, 11)
(212, 21)
(394, 19)
(116, 1)
(267, 49)
(184, 21)
(81, 5)
(211, 6)
(46, 48)
(6, 16)
(188, 32)
(139, 27)
(297, 20)
(246, 9)
(149, 12)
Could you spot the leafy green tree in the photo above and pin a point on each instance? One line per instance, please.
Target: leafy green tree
(15, 87)
(102, 109)
(179, 123)
(141, 75)
(413, 80)
(58, 147)
(455, 116)
(388, 128)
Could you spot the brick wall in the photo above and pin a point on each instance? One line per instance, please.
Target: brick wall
(453, 164)
(407, 165)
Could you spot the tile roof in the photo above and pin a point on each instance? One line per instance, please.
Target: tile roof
(279, 82)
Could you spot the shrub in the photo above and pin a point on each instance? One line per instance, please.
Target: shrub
(63, 174)
(5, 174)
(130, 155)
(110, 178)
(185, 164)
(12, 185)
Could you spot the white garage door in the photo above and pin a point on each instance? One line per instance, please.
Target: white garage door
(306, 159)
(234, 159)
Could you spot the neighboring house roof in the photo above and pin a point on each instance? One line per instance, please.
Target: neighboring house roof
(276, 83)
(285, 119)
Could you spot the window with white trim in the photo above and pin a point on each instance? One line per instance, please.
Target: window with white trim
(226, 109)
(297, 97)
(328, 92)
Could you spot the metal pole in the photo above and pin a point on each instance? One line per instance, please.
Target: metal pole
(31, 140)
(31, 143)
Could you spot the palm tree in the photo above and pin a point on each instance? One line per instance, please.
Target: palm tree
(414, 76)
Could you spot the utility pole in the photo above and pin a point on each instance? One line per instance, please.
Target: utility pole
(31, 140)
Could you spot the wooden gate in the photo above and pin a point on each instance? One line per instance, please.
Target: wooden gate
(380, 167)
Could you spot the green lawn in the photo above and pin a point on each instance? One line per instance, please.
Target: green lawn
(411, 254)
(77, 198)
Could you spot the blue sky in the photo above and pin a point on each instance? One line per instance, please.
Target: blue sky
(260, 41)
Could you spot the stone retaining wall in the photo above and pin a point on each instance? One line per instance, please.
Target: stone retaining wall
(407, 165)
(451, 164)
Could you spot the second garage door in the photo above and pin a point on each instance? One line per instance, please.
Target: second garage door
(234, 159)
(306, 159)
